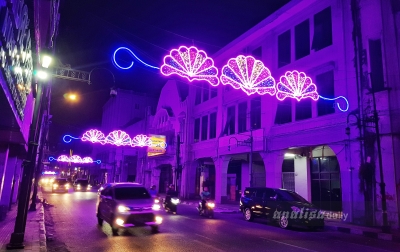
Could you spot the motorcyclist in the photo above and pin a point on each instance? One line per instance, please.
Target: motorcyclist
(153, 191)
(171, 193)
(205, 195)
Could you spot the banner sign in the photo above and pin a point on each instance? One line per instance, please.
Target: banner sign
(158, 147)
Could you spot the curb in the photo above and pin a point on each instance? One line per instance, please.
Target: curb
(42, 229)
(220, 210)
(360, 231)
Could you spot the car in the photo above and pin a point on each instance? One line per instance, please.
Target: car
(60, 185)
(126, 205)
(82, 185)
(285, 207)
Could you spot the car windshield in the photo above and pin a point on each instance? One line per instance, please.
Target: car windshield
(127, 193)
(291, 196)
(82, 182)
(60, 181)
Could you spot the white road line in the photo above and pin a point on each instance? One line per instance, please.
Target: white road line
(209, 246)
(205, 237)
(287, 244)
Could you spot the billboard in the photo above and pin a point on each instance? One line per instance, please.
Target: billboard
(159, 145)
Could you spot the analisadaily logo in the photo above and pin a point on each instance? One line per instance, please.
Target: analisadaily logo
(309, 215)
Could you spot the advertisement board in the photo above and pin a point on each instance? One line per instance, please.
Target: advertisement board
(158, 147)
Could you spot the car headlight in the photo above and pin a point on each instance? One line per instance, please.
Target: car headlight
(55, 185)
(210, 204)
(79, 186)
(175, 201)
(89, 186)
(158, 219)
(296, 209)
(156, 201)
(123, 209)
(156, 207)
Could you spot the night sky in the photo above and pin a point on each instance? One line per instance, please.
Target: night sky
(90, 31)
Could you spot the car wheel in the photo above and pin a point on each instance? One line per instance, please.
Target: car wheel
(248, 215)
(154, 229)
(99, 221)
(284, 222)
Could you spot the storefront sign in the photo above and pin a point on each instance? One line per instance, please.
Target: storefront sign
(158, 147)
(15, 52)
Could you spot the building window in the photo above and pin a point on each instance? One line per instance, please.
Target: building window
(257, 53)
(206, 88)
(322, 30)
(284, 112)
(198, 96)
(284, 49)
(196, 130)
(302, 39)
(242, 116)
(325, 84)
(375, 59)
(204, 127)
(213, 92)
(255, 113)
(230, 121)
(303, 109)
(213, 125)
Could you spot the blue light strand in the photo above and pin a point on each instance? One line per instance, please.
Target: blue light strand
(134, 55)
(98, 161)
(68, 138)
(51, 159)
(338, 105)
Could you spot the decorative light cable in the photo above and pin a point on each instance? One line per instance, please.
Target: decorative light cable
(134, 55)
(116, 137)
(243, 72)
(75, 159)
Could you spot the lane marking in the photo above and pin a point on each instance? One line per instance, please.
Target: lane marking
(209, 246)
(288, 244)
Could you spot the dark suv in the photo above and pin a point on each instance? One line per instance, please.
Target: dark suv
(125, 205)
(82, 185)
(285, 207)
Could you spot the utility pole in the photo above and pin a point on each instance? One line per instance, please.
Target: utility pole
(385, 226)
(178, 152)
(251, 158)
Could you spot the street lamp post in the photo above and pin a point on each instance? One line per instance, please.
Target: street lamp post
(385, 226)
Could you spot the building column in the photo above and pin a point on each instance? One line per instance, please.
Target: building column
(7, 181)
(4, 152)
(245, 174)
(189, 179)
(221, 175)
(302, 179)
(17, 179)
(273, 168)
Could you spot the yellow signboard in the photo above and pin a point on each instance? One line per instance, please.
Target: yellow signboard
(158, 146)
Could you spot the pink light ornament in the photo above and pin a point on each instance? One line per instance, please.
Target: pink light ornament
(248, 74)
(141, 141)
(190, 63)
(94, 136)
(75, 159)
(63, 158)
(296, 85)
(118, 138)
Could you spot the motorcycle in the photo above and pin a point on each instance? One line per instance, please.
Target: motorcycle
(171, 205)
(208, 210)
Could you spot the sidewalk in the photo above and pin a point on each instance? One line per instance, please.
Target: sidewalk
(35, 238)
(330, 223)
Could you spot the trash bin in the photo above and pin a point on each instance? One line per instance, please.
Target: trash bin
(3, 212)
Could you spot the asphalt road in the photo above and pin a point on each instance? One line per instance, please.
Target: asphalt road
(75, 229)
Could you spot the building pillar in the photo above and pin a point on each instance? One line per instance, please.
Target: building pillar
(17, 180)
(7, 182)
(273, 168)
(221, 176)
(4, 152)
(245, 174)
(302, 179)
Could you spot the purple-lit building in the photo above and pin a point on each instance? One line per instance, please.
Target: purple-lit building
(326, 150)
(26, 28)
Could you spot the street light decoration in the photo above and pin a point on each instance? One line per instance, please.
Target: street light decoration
(190, 63)
(118, 138)
(141, 141)
(74, 159)
(94, 136)
(249, 75)
(296, 85)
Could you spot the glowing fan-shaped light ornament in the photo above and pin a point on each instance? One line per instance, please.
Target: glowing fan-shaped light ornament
(190, 63)
(75, 159)
(94, 136)
(141, 141)
(248, 74)
(118, 138)
(87, 160)
(296, 85)
(63, 158)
